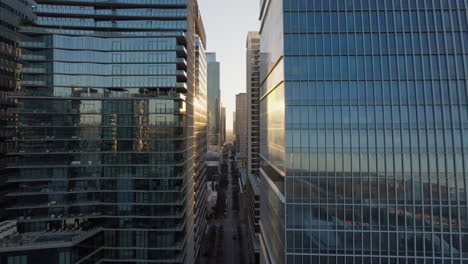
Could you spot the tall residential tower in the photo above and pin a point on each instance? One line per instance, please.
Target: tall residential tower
(13, 13)
(240, 128)
(253, 100)
(214, 102)
(223, 126)
(110, 132)
(363, 131)
(252, 194)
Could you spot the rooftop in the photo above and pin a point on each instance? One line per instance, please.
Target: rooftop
(213, 156)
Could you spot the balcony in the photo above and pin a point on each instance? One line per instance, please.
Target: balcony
(72, 32)
(90, 12)
(181, 75)
(46, 239)
(33, 57)
(181, 87)
(181, 51)
(33, 83)
(182, 39)
(44, 190)
(181, 63)
(32, 45)
(146, 3)
(87, 203)
(79, 164)
(33, 70)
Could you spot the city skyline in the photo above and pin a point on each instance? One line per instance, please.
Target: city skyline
(227, 39)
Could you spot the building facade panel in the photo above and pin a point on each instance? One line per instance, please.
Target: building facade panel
(12, 14)
(201, 145)
(272, 118)
(112, 128)
(214, 102)
(223, 125)
(253, 98)
(241, 128)
(252, 193)
(375, 103)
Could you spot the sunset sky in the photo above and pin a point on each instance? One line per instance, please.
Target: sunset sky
(227, 23)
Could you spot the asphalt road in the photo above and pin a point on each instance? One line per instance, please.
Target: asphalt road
(231, 250)
(231, 244)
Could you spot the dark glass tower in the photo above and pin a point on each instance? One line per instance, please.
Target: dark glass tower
(214, 102)
(108, 119)
(363, 131)
(12, 14)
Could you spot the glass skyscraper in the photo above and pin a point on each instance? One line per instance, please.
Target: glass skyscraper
(200, 143)
(223, 126)
(253, 87)
(12, 14)
(214, 102)
(111, 134)
(364, 124)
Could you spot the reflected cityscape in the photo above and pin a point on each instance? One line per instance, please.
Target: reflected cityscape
(367, 165)
(348, 142)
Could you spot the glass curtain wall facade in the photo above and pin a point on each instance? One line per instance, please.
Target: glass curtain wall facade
(241, 128)
(214, 102)
(12, 14)
(107, 126)
(201, 144)
(371, 167)
(223, 126)
(272, 129)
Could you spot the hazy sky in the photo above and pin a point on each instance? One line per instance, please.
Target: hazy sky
(227, 23)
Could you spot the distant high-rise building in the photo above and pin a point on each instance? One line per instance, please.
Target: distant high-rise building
(223, 125)
(234, 124)
(363, 120)
(240, 131)
(13, 13)
(253, 91)
(111, 134)
(252, 194)
(214, 102)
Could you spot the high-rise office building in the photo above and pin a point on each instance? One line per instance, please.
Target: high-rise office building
(252, 194)
(110, 134)
(223, 126)
(363, 116)
(234, 124)
(240, 131)
(12, 14)
(253, 91)
(214, 102)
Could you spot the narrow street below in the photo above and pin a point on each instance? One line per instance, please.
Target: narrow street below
(230, 249)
